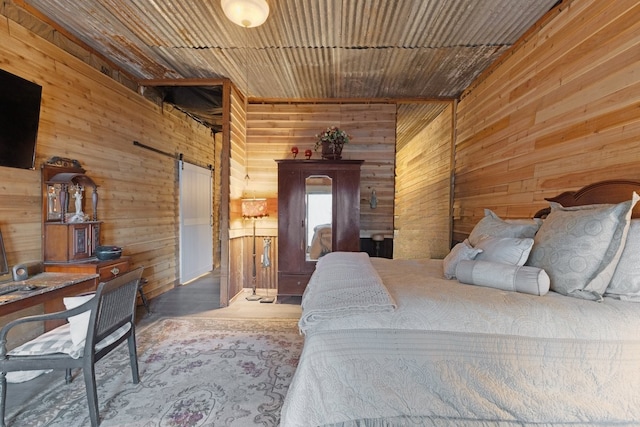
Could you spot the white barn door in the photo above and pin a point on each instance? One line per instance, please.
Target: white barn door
(196, 221)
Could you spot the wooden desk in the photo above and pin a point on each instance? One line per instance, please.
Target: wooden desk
(106, 269)
(52, 287)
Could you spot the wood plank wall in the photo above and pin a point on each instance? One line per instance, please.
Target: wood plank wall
(273, 129)
(560, 111)
(237, 182)
(87, 116)
(423, 190)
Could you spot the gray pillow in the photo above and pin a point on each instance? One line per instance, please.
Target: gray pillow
(514, 278)
(494, 226)
(579, 247)
(505, 250)
(461, 251)
(625, 283)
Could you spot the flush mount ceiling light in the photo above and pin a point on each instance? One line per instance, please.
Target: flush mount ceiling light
(246, 13)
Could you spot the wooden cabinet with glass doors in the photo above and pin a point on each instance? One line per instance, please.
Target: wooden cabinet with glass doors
(71, 230)
(318, 213)
(71, 227)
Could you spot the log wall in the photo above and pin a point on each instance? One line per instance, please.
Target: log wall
(559, 111)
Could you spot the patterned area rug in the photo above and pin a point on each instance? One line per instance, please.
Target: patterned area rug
(193, 372)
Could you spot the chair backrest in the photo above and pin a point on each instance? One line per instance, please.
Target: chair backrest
(115, 305)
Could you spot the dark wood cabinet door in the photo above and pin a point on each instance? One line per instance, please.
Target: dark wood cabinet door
(294, 269)
(68, 242)
(347, 211)
(290, 220)
(81, 242)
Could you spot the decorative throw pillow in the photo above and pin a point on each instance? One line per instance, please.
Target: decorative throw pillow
(625, 283)
(579, 247)
(79, 323)
(506, 250)
(461, 251)
(494, 226)
(514, 278)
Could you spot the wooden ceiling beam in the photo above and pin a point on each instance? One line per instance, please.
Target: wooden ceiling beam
(349, 100)
(183, 82)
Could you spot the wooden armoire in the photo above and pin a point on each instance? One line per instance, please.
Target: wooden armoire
(318, 212)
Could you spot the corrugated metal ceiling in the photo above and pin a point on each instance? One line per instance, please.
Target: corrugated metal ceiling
(307, 48)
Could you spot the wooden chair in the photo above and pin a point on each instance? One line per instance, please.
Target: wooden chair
(111, 321)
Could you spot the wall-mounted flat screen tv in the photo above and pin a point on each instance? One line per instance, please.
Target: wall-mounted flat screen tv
(19, 119)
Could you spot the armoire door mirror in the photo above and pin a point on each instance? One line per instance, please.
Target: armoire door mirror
(319, 209)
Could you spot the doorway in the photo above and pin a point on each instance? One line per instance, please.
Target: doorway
(196, 221)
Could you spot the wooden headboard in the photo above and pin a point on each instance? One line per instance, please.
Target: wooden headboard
(615, 191)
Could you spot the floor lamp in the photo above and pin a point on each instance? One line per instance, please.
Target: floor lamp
(266, 264)
(254, 209)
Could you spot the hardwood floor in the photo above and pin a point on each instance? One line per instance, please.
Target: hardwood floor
(200, 298)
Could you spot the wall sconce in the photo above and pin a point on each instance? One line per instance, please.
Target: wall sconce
(373, 200)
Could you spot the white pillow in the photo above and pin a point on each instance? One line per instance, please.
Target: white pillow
(494, 226)
(57, 340)
(461, 251)
(78, 324)
(505, 250)
(514, 278)
(579, 247)
(625, 283)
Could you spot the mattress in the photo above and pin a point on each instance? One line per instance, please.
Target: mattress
(455, 354)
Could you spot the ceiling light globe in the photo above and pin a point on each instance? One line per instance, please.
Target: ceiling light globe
(246, 13)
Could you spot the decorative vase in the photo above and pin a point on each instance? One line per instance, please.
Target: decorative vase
(331, 150)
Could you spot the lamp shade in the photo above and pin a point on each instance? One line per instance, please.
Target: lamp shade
(246, 13)
(254, 208)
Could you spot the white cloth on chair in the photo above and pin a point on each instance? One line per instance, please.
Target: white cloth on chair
(57, 340)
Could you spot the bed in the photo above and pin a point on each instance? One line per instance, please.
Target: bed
(321, 241)
(396, 343)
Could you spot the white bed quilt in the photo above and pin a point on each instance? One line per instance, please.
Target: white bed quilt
(453, 354)
(350, 286)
